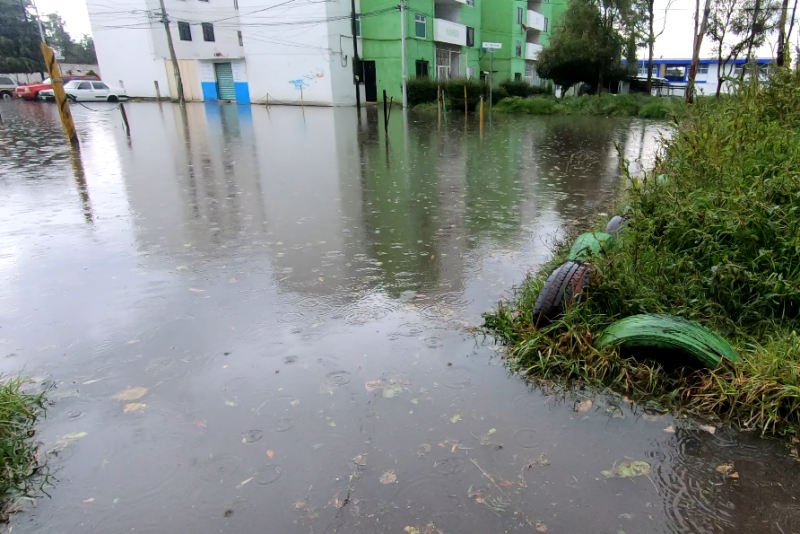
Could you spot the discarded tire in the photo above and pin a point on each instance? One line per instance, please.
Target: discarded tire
(563, 287)
(616, 224)
(669, 332)
(591, 244)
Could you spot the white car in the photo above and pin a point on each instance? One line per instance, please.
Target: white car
(7, 87)
(87, 91)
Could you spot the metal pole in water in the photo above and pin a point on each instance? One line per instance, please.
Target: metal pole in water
(403, 51)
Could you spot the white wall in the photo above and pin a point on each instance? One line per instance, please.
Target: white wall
(284, 51)
(195, 12)
(125, 50)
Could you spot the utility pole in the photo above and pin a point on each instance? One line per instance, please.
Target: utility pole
(403, 51)
(175, 67)
(58, 85)
(356, 59)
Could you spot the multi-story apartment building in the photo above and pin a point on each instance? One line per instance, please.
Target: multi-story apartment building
(133, 52)
(302, 52)
(442, 42)
(522, 27)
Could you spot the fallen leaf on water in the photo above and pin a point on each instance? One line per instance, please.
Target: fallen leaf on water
(455, 419)
(132, 407)
(90, 500)
(505, 484)
(73, 436)
(131, 394)
(411, 530)
(670, 429)
(708, 428)
(728, 470)
(360, 459)
(389, 477)
(423, 449)
(583, 406)
(541, 527)
(628, 469)
(244, 482)
(270, 453)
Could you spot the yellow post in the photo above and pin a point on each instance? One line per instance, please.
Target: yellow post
(58, 91)
(480, 114)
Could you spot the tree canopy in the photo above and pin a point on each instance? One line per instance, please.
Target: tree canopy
(19, 39)
(588, 45)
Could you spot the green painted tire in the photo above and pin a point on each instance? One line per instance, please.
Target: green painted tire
(591, 244)
(669, 332)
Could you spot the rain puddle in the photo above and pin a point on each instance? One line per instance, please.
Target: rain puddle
(260, 320)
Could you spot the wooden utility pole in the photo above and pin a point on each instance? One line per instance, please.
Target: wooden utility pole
(173, 57)
(699, 32)
(57, 82)
(356, 59)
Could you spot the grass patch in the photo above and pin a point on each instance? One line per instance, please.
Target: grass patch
(648, 107)
(718, 242)
(21, 473)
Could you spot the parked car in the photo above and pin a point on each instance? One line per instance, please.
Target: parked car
(7, 87)
(87, 91)
(31, 91)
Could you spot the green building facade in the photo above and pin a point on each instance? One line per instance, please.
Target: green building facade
(444, 40)
(523, 28)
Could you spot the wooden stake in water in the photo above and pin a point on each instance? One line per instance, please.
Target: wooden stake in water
(466, 109)
(125, 119)
(481, 115)
(58, 92)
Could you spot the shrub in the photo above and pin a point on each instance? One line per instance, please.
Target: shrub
(530, 106)
(421, 90)
(661, 108)
(517, 88)
(454, 91)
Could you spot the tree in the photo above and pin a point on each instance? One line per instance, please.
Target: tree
(19, 38)
(647, 16)
(700, 29)
(72, 51)
(586, 47)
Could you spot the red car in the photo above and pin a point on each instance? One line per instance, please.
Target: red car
(31, 92)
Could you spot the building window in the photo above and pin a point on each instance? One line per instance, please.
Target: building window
(358, 25)
(420, 26)
(208, 32)
(239, 35)
(519, 49)
(470, 2)
(470, 36)
(546, 22)
(185, 31)
(702, 68)
(422, 68)
(517, 77)
(520, 14)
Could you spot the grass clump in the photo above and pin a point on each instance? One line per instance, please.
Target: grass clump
(717, 242)
(530, 106)
(606, 105)
(21, 473)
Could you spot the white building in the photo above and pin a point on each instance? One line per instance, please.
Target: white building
(231, 50)
(299, 52)
(674, 74)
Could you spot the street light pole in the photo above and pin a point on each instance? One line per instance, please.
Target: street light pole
(356, 59)
(403, 51)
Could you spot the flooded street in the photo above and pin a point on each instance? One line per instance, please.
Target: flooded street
(262, 321)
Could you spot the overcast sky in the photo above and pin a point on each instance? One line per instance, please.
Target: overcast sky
(676, 42)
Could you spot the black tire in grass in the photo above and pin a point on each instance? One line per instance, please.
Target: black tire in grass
(562, 288)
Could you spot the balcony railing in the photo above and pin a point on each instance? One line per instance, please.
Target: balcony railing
(532, 51)
(445, 31)
(536, 21)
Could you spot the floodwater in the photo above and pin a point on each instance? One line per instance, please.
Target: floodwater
(260, 321)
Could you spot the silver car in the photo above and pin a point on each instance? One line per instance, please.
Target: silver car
(7, 87)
